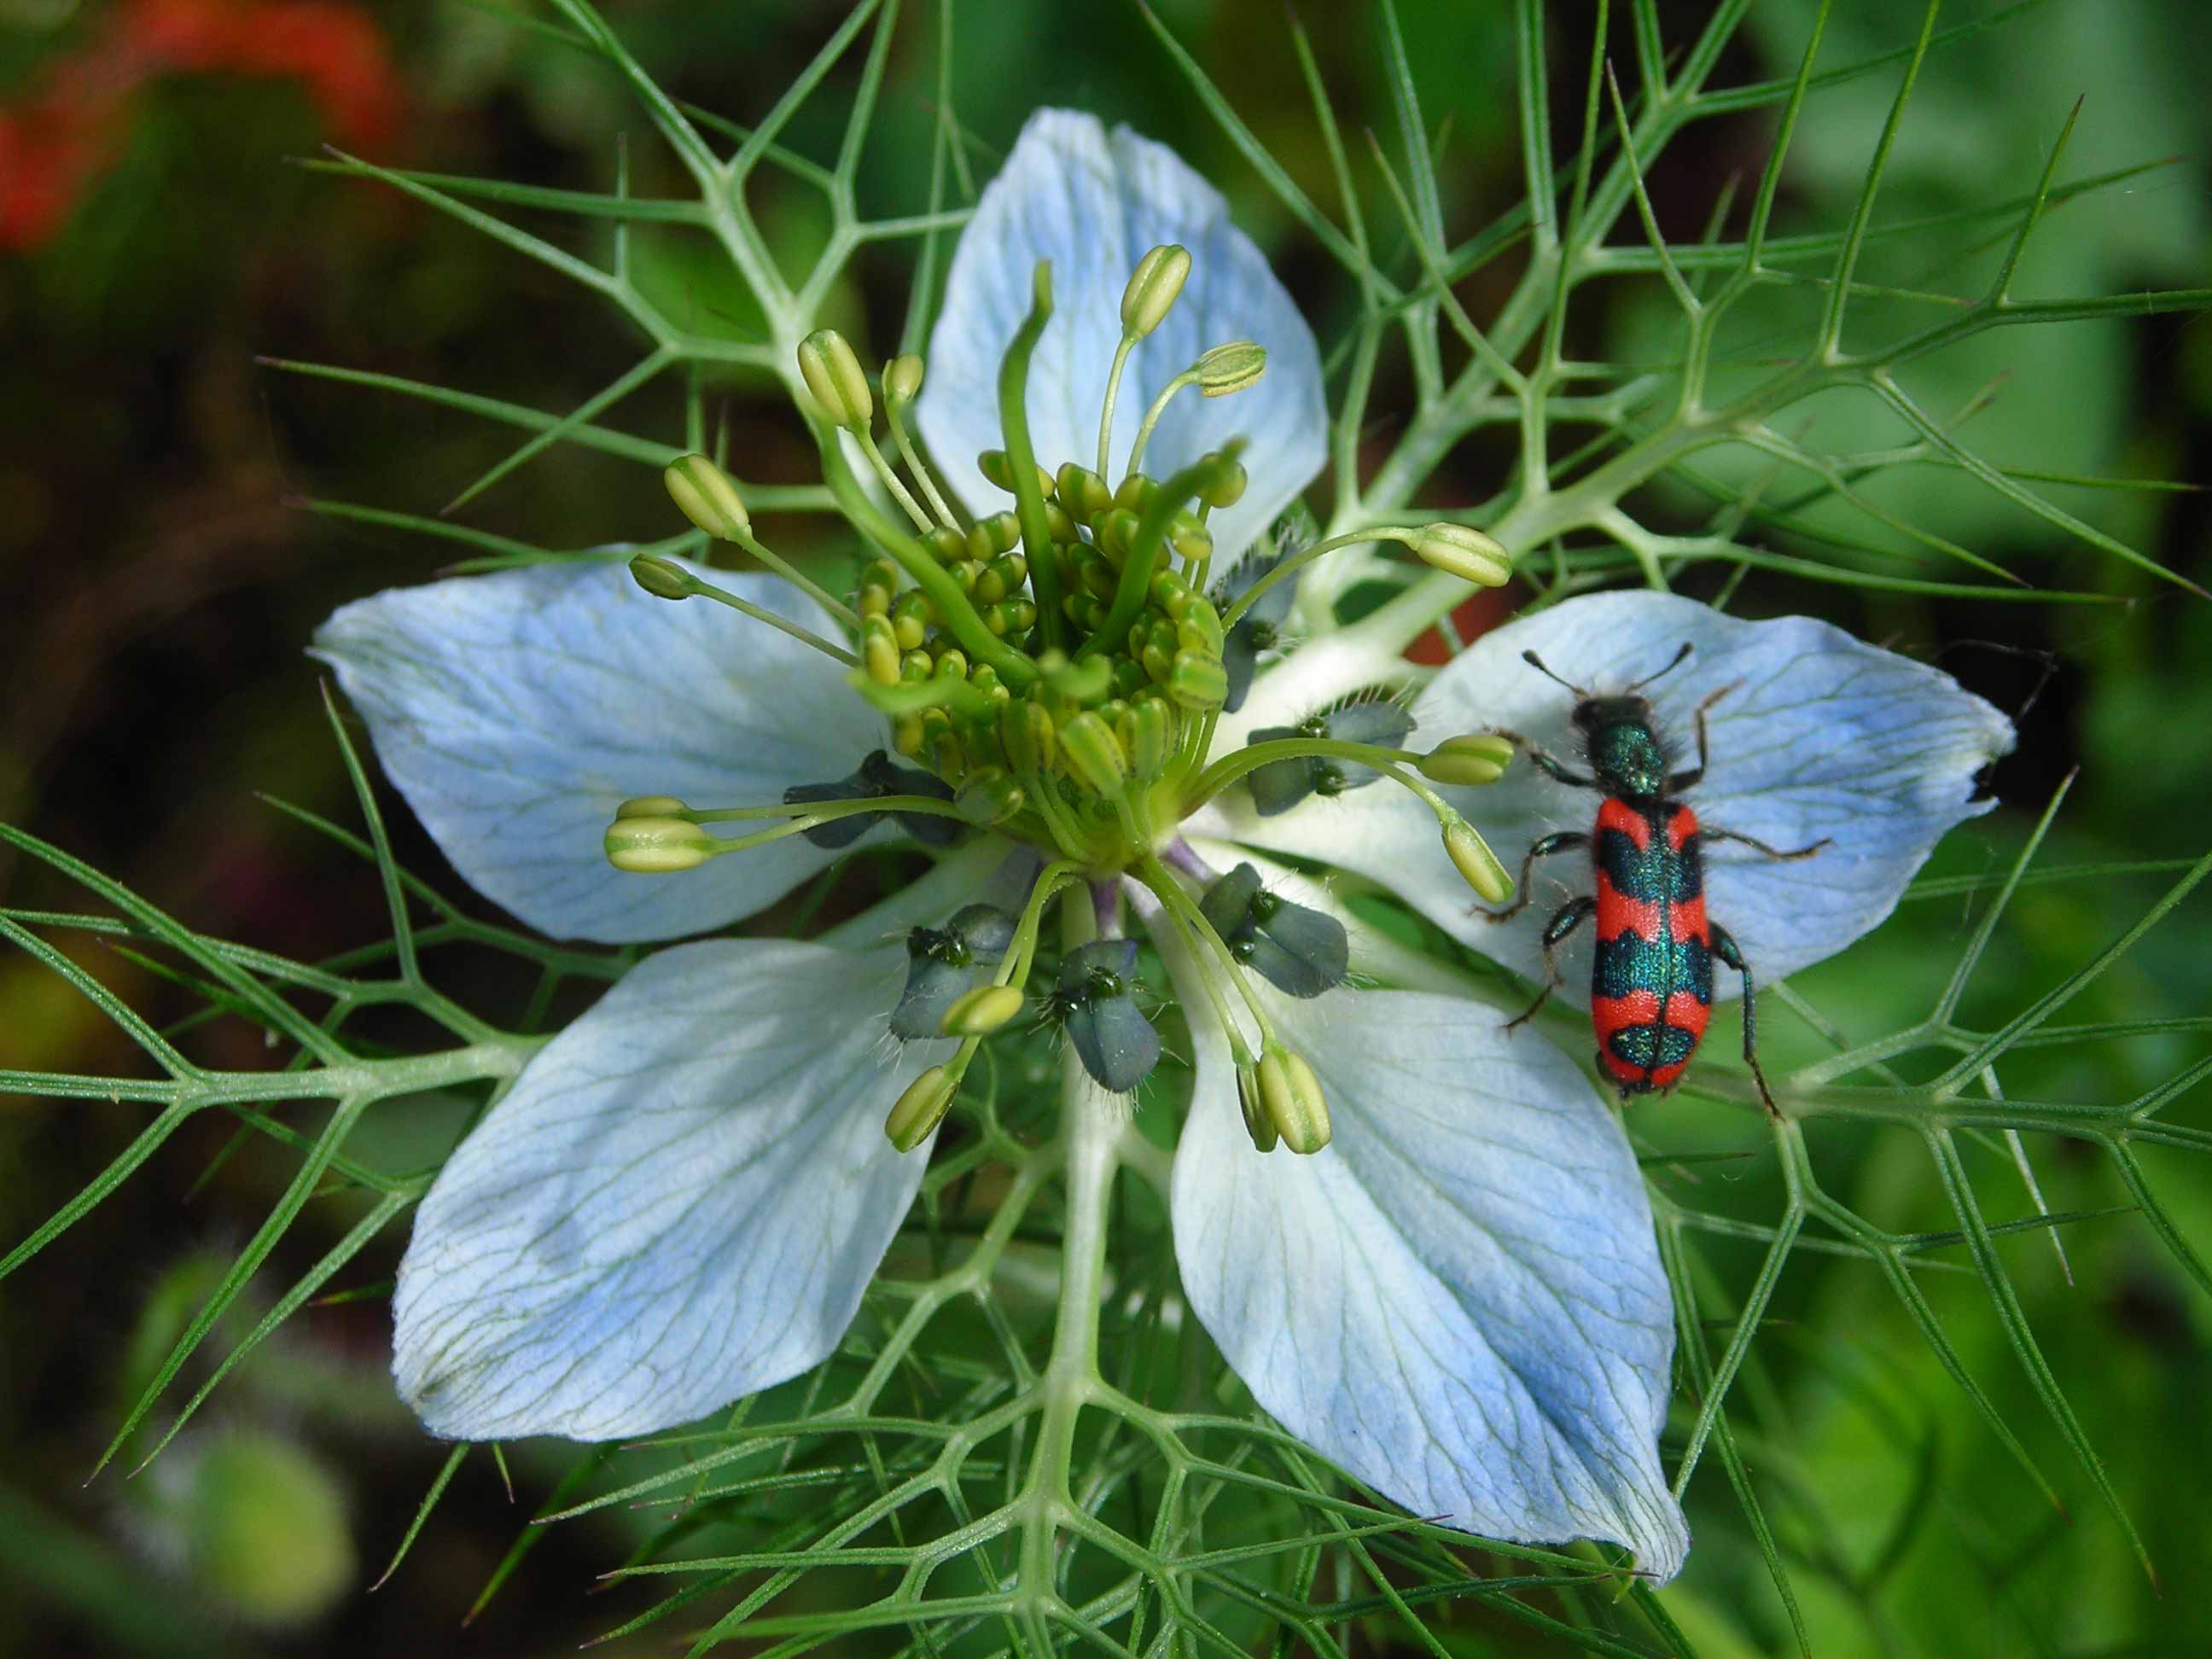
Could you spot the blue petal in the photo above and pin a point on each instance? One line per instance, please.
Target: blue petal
(678, 1203)
(1819, 735)
(1459, 1299)
(1094, 203)
(516, 711)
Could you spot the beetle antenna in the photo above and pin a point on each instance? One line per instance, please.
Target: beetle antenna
(1537, 663)
(1672, 663)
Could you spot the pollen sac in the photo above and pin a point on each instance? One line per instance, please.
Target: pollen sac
(941, 966)
(1295, 949)
(878, 776)
(1094, 1006)
(1280, 785)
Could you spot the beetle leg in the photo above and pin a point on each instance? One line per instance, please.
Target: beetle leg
(1725, 947)
(1695, 775)
(1758, 845)
(1569, 916)
(1564, 840)
(1543, 762)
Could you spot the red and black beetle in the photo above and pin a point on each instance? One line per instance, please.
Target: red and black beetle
(1651, 988)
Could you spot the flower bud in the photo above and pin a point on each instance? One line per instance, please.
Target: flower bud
(1477, 864)
(982, 1010)
(707, 496)
(987, 796)
(1291, 1095)
(902, 378)
(1094, 754)
(1153, 286)
(1230, 368)
(834, 376)
(664, 579)
(1473, 758)
(261, 1527)
(921, 1109)
(656, 846)
(1468, 554)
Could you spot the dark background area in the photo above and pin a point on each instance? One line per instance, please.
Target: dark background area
(158, 586)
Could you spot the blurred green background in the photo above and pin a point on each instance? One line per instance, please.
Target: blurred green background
(159, 587)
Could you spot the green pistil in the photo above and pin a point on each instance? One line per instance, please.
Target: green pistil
(951, 605)
(1021, 458)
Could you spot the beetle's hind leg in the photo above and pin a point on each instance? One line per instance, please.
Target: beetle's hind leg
(1725, 947)
(1707, 837)
(1569, 916)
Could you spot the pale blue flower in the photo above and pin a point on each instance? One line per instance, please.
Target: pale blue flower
(680, 1201)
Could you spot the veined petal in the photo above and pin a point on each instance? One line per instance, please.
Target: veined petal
(1459, 1299)
(516, 711)
(1821, 736)
(1094, 203)
(679, 1202)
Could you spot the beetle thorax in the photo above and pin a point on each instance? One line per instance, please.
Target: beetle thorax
(1624, 752)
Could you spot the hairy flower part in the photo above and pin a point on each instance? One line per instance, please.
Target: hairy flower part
(1421, 1238)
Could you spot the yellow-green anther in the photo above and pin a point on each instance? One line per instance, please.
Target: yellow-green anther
(1191, 539)
(707, 496)
(1290, 1097)
(1153, 289)
(1466, 553)
(1151, 736)
(1026, 734)
(833, 373)
(1477, 864)
(1082, 492)
(982, 1010)
(1197, 681)
(1229, 368)
(1475, 758)
(1256, 1121)
(921, 1109)
(987, 796)
(879, 650)
(662, 578)
(1199, 628)
(1227, 489)
(652, 806)
(902, 378)
(1094, 754)
(656, 846)
(993, 466)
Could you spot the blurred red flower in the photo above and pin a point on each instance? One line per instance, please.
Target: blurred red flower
(61, 133)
